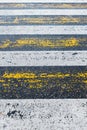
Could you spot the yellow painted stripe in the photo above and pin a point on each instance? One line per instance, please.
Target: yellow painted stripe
(15, 20)
(38, 42)
(34, 80)
(43, 5)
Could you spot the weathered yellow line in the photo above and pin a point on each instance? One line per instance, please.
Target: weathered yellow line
(38, 42)
(19, 75)
(23, 5)
(44, 20)
(33, 80)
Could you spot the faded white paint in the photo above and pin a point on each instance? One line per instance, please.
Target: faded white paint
(43, 58)
(46, 30)
(53, 114)
(43, 1)
(44, 12)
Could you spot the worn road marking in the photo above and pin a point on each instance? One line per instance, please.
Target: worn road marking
(43, 6)
(43, 12)
(43, 82)
(43, 58)
(43, 20)
(53, 42)
(44, 30)
(59, 114)
(43, 1)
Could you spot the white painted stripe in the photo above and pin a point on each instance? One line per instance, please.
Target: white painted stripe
(43, 29)
(43, 1)
(44, 12)
(43, 58)
(41, 114)
(46, 30)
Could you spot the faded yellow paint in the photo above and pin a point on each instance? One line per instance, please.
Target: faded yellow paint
(2, 81)
(38, 85)
(16, 20)
(85, 81)
(69, 20)
(31, 75)
(37, 80)
(6, 85)
(44, 20)
(82, 75)
(71, 6)
(24, 5)
(70, 42)
(33, 20)
(17, 5)
(57, 75)
(34, 81)
(19, 75)
(6, 44)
